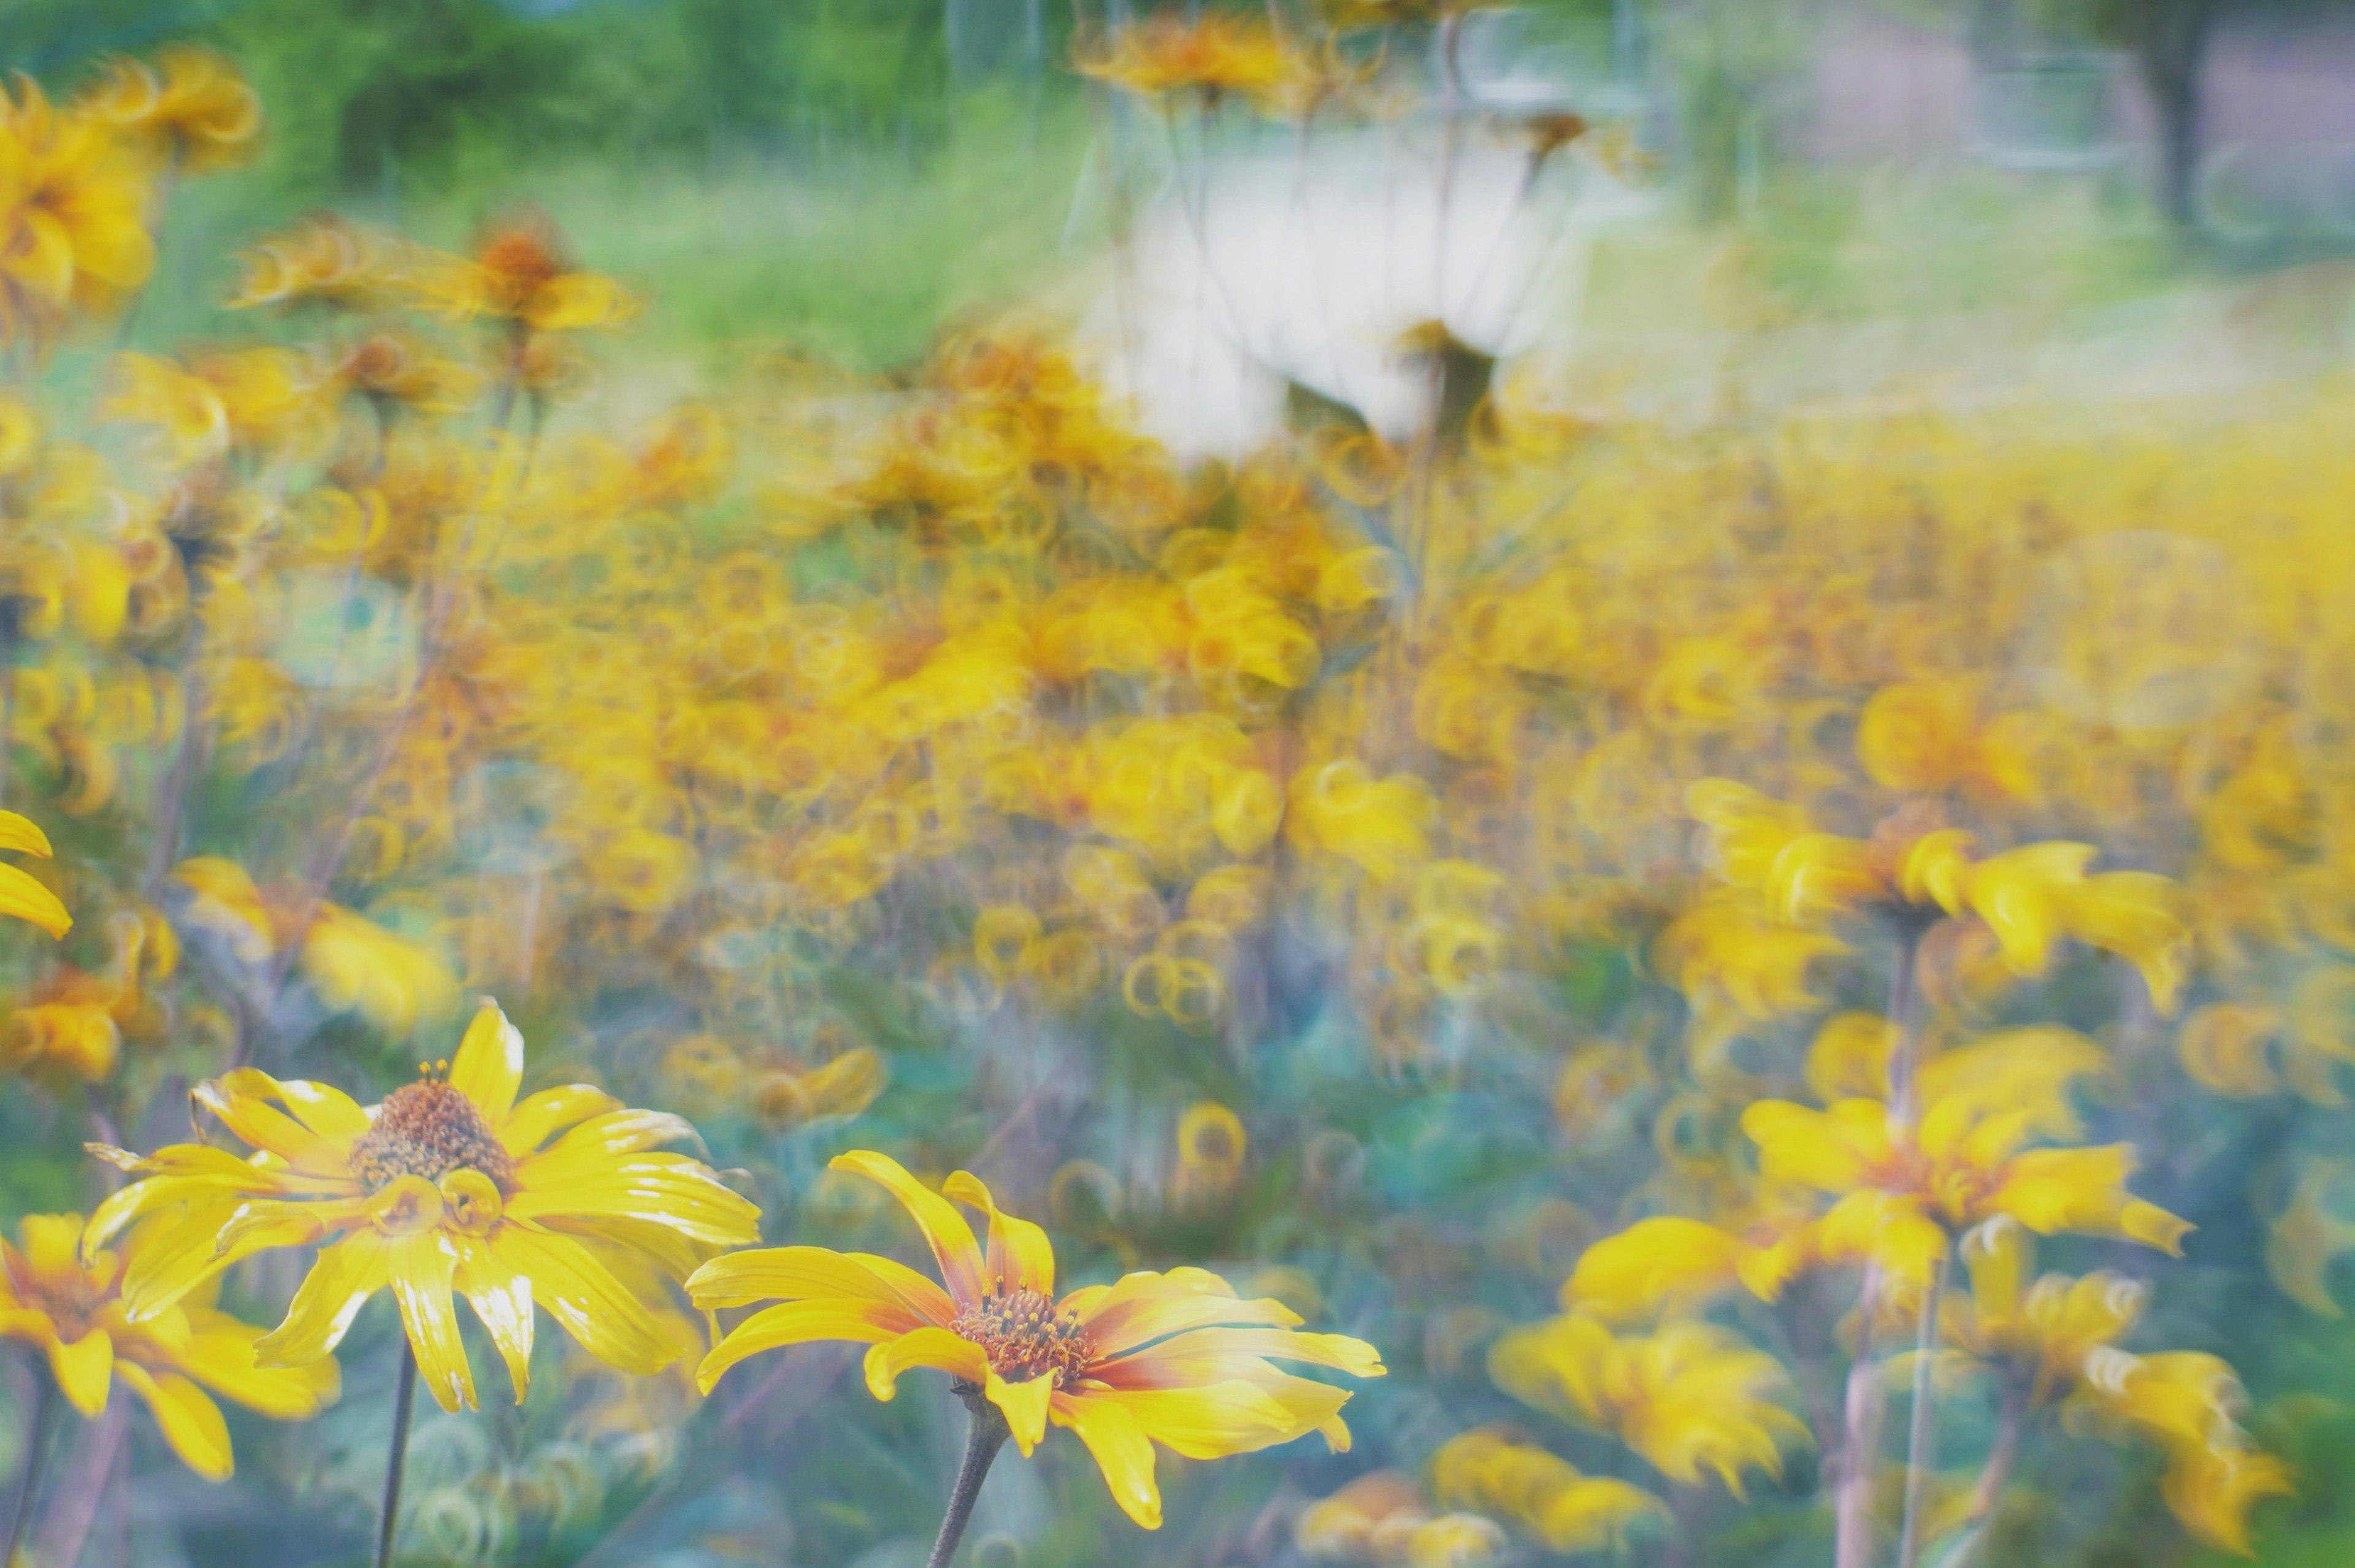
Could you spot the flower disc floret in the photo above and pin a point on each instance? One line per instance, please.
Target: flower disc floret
(1024, 1337)
(428, 1129)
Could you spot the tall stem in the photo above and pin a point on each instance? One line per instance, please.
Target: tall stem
(983, 1439)
(396, 1461)
(1918, 1437)
(39, 1433)
(1866, 1399)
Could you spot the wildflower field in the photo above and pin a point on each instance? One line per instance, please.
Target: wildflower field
(623, 957)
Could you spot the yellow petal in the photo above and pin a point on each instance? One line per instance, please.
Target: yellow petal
(1121, 1449)
(488, 1068)
(1214, 1421)
(219, 1353)
(421, 1268)
(241, 1099)
(951, 1238)
(501, 1299)
(1143, 1307)
(1024, 1404)
(23, 833)
(1019, 1257)
(610, 1322)
(339, 1284)
(531, 1122)
(191, 1422)
(660, 1189)
(951, 1353)
(802, 1323)
(27, 899)
(1655, 1262)
(83, 1371)
(803, 1273)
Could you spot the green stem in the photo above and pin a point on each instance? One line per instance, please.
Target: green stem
(396, 1461)
(983, 1439)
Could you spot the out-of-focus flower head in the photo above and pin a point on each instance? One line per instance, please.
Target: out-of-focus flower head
(69, 1303)
(522, 274)
(324, 260)
(73, 216)
(1212, 57)
(1499, 1471)
(190, 107)
(1380, 1517)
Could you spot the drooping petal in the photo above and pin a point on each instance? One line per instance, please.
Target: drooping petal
(84, 1370)
(1020, 1257)
(1024, 1407)
(180, 1251)
(22, 832)
(598, 1310)
(488, 1067)
(421, 1267)
(501, 1299)
(1121, 1451)
(191, 1422)
(951, 1238)
(952, 1354)
(801, 1323)
(339, 1284)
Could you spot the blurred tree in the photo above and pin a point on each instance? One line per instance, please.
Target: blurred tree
(2167, 39)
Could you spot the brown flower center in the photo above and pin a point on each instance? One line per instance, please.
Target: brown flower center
(428, 1129)
(71, 1304)
(1023, 1338)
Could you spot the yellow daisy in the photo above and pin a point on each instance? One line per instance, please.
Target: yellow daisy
(1172, 1357)
(72, 1308)
(450, 1185)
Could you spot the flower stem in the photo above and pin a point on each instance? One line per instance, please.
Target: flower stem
(39, 1433)
(1918, 1436)
(396, 1461)
(983, 1439)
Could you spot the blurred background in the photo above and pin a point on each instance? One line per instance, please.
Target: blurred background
(1852, 345)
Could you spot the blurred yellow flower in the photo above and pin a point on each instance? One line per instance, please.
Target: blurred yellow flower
(69, 1304)
(73, 224)
(1174, 1357)
(1688, 1396)
(1493, 1470)
(190, 106)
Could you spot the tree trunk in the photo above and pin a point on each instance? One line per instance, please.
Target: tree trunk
(2170, 38)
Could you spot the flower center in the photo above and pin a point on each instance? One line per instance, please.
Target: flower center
(428, 1129)
(1023, 1338)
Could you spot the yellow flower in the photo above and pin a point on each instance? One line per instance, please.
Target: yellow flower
(1688, 1397)
(1380, 1518)
(73, 228)
(2045, 1329)
(522, 274)
(191, 106)
(450, 1184)
(1170, 1358)
(1215, 55)
(323, 258)
(392, 982)
(20, 895)
(1676, 1264)
(1903, 1187)
(1492, 1470)
(2187, 1403)
(70, 1305)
